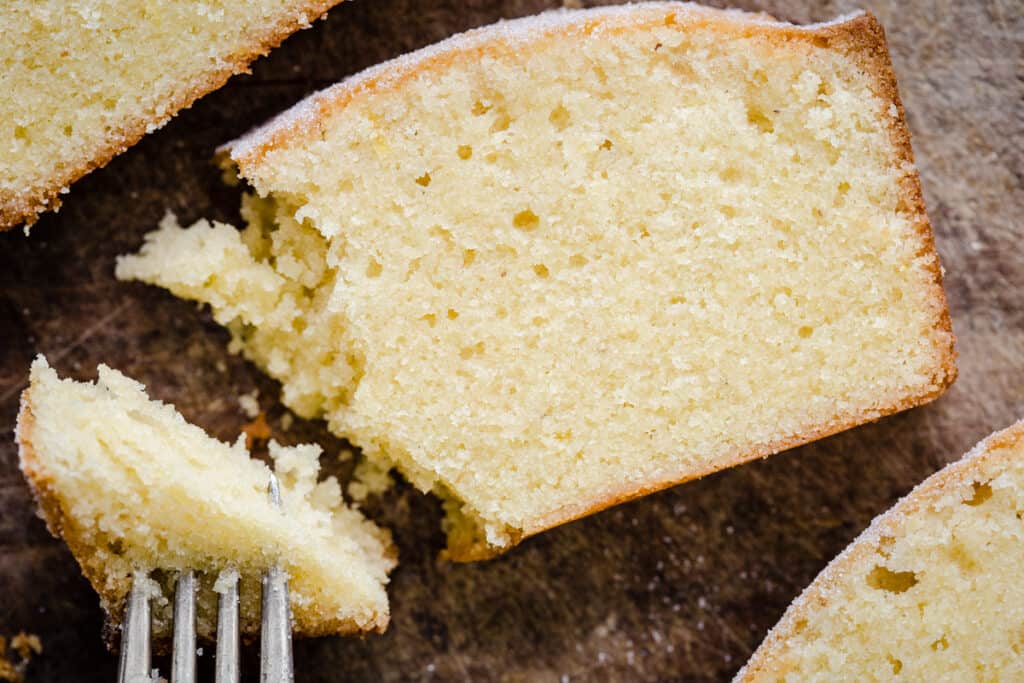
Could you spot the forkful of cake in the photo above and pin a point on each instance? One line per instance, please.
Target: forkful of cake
(275, 626)
(175, 529)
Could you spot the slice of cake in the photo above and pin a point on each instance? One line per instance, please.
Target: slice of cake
(86, 80)
(930, 592)
(129, 484)
(557, 263)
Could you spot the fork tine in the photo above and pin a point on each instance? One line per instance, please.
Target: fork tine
(183, 657)
(135, 655)
(227, 669)
(275, 627)
(275, 630)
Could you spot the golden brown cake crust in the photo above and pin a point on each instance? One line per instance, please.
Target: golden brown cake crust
(112, 598)
(25, 207)
(969, 468)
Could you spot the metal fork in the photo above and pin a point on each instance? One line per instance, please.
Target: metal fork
(275, 627)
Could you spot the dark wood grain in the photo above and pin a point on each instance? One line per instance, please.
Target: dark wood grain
(679, 586)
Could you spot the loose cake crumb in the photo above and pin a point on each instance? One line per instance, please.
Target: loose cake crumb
(25, 646)
(371, 477)
(249, 403)
(256, 430)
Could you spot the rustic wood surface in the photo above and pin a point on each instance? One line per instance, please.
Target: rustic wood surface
(679, 586)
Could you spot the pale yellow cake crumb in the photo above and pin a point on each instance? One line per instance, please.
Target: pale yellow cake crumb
(560, 262)
(84, 80)
(371, 477)
(930, 592)
(250, 403)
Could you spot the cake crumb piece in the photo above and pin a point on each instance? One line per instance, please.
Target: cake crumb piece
(250, 404)
(256, 430)
(26, 645)
(371, 477)
(225, 580)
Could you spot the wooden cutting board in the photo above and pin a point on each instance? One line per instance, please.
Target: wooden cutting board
(679, 586)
